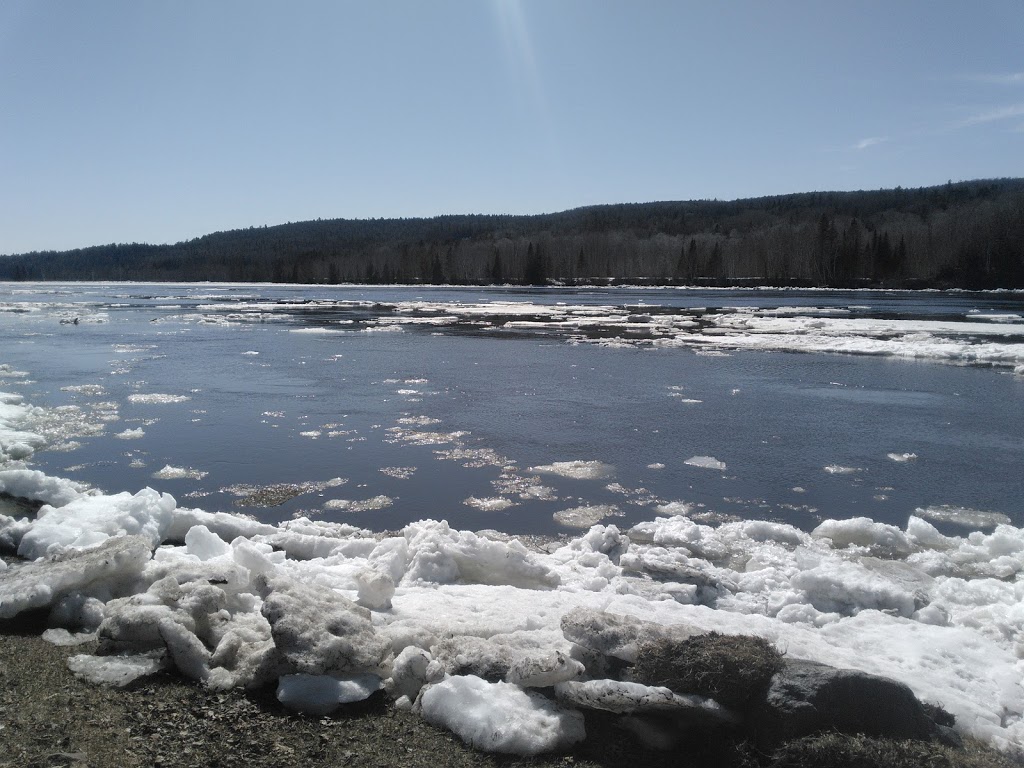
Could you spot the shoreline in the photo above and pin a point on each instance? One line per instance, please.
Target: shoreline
(48, 717)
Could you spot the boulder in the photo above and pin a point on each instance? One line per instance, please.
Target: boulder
(806, 697)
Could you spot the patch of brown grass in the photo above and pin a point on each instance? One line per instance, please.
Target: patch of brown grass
(731, 669)
(837, 750)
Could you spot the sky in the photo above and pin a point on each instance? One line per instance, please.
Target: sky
(143, 121)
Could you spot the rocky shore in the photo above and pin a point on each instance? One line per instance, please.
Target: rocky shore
(48, 717)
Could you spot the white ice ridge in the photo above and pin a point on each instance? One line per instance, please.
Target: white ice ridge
(986, 340)
(433, 611)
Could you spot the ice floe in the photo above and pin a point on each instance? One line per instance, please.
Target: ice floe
(169, 472)
(706, 462)
(577, 470)
(157, 399)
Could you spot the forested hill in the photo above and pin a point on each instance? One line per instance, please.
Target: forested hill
(968, 234)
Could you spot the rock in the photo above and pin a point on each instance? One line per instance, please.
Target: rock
(807, 697)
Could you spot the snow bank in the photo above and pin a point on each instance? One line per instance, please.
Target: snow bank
(448, 608)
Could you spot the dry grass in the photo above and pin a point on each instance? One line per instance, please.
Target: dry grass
(836, 750)
(732, 669)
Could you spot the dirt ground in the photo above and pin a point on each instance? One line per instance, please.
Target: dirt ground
(48, 717)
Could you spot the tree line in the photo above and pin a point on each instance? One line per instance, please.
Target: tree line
(965, 234)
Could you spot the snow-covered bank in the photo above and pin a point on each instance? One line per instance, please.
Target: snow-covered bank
(431, 613)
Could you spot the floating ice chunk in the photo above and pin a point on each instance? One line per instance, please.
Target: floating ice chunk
(577, 470)
(37, 486)
(674, 508)
(15, 441)
(117, 671)
(131, 434)
(399, 473)
(158, 399)
(362, 505)
(500, 717)
(971, 518)
(999, 318)
(836, 469)
(179, 473)
(490, 503)
(250, 352)
(706, 462)
(418, 421)
(91, 520)
(656, 465)
(585, 516)
(902, 457)
(320, 695)
(85, 389)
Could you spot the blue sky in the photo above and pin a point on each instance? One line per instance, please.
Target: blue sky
(156, 122)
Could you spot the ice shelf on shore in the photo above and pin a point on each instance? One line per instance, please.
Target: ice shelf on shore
(231, 602)
(325, 610)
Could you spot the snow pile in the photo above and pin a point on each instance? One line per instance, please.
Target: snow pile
(501, 717)
(91, 520)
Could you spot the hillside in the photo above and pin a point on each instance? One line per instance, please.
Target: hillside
(967, 234)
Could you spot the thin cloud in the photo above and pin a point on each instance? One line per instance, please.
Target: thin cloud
(871, 141)
(1011, 78)
(993, 115)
